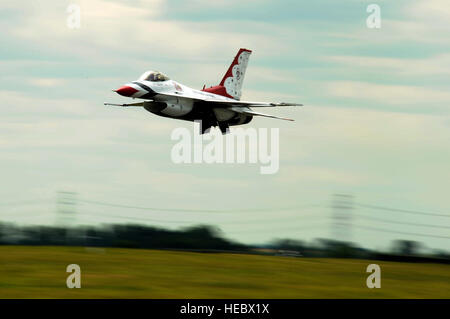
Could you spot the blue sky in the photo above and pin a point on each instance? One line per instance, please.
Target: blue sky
(376, 122)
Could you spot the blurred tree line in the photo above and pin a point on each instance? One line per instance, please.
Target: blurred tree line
(205, 238)
(401, 250)
(126, 236)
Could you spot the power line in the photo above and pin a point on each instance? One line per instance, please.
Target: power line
(140, 218)
(400, 232)
(102, 203)
(220, 222)
(259, 221)
(25, 202)
(286, 228)
(183, 210)
(402, 223)
(27, 217)
(402, 210)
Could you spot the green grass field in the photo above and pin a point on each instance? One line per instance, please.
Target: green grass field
(40, 272)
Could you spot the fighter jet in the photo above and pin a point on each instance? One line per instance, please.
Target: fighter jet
(218, 105)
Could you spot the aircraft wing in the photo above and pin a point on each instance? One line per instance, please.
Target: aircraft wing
(125, 105)
(230, 102)
(242, 107)
(247, 111)
(248, 103)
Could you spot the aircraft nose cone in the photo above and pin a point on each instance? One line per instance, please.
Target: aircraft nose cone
(126, 90)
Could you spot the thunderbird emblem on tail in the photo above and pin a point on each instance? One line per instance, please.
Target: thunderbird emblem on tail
(218, 105)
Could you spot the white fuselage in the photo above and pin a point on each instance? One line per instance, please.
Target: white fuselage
(178, 97)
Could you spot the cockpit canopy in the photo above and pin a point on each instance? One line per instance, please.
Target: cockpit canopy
(153, 76)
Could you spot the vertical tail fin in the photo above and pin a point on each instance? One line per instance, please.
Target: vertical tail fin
(233, 79)
(231, 84)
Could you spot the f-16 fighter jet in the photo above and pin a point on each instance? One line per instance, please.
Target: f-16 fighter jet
(218, 105)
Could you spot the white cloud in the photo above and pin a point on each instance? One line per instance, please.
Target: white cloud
(308, 174)
(29, 121)
(403, 95)
(414, 30)
(434, 65)
(46, 82)
(125, 29)
(435, 11)
(365, 129)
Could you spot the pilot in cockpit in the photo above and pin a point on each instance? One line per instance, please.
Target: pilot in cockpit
(153, 76)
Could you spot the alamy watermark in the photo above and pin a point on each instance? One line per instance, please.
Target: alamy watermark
(242, 145)
(74, 18)
(373, 21)
(74, 279)
(374, 279)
